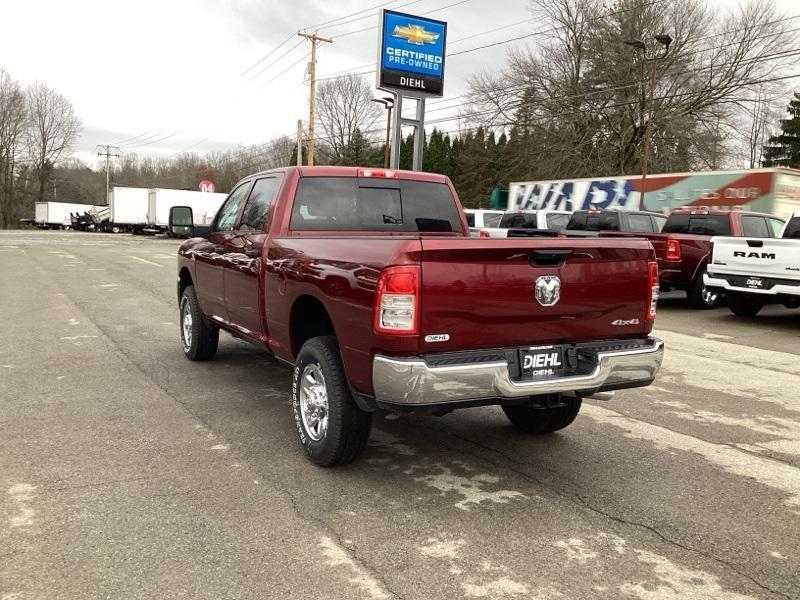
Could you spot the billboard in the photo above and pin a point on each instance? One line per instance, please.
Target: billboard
(755, 189)
(411, 54)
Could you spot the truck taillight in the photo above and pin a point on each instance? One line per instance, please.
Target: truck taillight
(483, 233)
(672, 251)
(382, 173)
(653, 287)
(397, 301)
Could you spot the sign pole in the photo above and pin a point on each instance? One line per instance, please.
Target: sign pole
(397, 133)
(419, 135)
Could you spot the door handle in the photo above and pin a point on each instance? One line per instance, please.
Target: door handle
(219, 249)
(252, 253)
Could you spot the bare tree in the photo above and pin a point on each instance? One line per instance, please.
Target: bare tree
(581, 93)
(344, 106)
(12, 126)
(52, 130)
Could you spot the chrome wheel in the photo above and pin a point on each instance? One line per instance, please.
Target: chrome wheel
(709, 298)
(314, 402)
(186, 328)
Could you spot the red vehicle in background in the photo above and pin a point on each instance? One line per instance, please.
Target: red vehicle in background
(683, 247)
(367, 282)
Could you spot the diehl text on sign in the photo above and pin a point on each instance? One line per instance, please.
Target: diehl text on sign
(411, 54)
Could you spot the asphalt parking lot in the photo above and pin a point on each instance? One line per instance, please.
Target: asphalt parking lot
(128, 472)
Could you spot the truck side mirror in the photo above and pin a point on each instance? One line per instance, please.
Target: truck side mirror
(181, 221)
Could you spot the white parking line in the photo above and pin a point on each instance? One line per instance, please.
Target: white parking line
(147, 262)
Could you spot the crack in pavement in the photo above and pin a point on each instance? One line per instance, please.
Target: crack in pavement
(340, 541)
(577, 499)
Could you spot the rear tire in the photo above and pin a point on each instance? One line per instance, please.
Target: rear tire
(701, 297)
(199, 339)
(332, 429)
(744, 305)
(544, 420)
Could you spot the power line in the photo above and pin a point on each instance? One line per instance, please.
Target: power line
(277, 60)
(266, 56)
(358, 12)
(294, 64)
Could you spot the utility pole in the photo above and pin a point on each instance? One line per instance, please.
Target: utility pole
(312, 97)
(665, 41)
(109, 152)
(299, 142)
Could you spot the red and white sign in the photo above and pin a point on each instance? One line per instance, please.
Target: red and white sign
(207, 186)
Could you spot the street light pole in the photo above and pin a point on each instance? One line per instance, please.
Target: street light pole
(388, 103)
(664, 40)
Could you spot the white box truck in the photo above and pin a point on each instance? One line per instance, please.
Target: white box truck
(204, 206)
(127, 210)
(57, 215)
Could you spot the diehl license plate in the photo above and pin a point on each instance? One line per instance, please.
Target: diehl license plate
(541, 362)
(755, 282)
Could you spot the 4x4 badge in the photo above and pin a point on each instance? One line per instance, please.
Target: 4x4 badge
(547, 290)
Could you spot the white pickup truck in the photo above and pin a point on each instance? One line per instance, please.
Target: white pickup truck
(755, 272)
(553, 220)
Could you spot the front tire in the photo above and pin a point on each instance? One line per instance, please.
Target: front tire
(533, 419)
(199, 339)
(743, 305)
(700, 296)
(332, 429)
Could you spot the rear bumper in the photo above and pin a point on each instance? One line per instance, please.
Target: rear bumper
(738, 283)
(415, 382)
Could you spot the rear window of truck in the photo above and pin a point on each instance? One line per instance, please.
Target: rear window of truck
(343, 204)
(518, 221)
(792, 228)
(589, 221)
(698, 224)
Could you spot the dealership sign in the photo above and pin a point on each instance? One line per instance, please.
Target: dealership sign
(411, 54)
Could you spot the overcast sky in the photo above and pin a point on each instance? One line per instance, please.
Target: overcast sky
(168, 73)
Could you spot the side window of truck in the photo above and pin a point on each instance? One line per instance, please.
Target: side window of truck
(226, 217)
(557, 222)
(755, 227)
(640, 223)
(775, 225)
(793, 229)
(658, 223)
(492, 219)
(258, 204)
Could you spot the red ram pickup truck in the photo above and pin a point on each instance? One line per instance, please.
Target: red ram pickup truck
(683, 247)
(367, 282)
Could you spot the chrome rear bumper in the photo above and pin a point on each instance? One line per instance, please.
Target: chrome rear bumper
(413, 382)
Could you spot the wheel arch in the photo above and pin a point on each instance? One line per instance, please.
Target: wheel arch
(308, 318)
(184, 281)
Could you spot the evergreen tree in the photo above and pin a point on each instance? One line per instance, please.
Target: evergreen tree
(435, 158)
(783, 150)
(357, 152)
(407, 152)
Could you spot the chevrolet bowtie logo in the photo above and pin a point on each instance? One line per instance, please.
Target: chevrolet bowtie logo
(415, 34)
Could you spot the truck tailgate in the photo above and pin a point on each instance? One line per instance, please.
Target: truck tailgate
(480, 293)
(765, 257)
